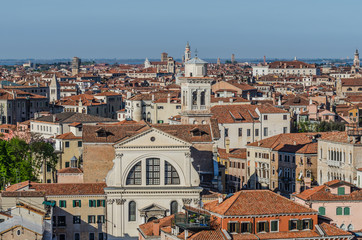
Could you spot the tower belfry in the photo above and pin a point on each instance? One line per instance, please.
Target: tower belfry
(187, 52)
(356, 62)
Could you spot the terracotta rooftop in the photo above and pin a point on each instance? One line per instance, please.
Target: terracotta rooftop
(256, 202)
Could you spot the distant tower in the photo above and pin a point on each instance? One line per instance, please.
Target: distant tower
(187, 52)
(232, 58)
(164, 57)
(356, 62)
(264, 63)
(54, 89)
(75, 66)
(170, 65)
(218, 61)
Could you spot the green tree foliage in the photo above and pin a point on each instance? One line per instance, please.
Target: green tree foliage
(320, 126)
(20, 161)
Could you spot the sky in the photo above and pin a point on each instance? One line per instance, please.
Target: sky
(131, 29)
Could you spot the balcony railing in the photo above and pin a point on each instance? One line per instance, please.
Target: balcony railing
(334, 163)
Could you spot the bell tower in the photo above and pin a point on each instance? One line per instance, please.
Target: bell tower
(195, 93)
(356, 62)
(187, 52)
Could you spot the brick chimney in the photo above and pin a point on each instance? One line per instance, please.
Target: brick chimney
(156, 227)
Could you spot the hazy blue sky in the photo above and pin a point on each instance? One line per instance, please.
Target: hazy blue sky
(139, 29)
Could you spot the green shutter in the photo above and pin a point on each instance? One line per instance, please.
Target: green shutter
(257, 227)
(74, 202)
(339, 211)
(267, 227)
(346, 211)
(228, 227)
(290, 224)
(103, 203)
(237, 227)
(310, 224)
(80, 203)
(300, 225)
(322, 211)
(250, 227)
(341, 191)
(98, 203)
(90, 203)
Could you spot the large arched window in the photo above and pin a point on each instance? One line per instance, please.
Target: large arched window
(153, 171)
(194, 98)
(132, 211)
(134, 176)
(202, 99)
(171, 175)
(174, 207)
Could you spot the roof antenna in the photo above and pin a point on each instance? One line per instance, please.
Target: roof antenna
(196, 53)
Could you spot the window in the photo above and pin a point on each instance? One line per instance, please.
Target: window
(134, 176)
(62, 203)
(346, 211)
(226, 132)
(153, 171)
(61, 236)
(66, 164)
(100, 236)
(91, 236)
(92, 203)
(77, 203)
(61, 221)
(67, 144)
(240, 131)
(76, 236)
(256, 132)
(293, 224)
(233, 227)
(262, 227)
(174, 207)
(339, 211)
(100, 219)
(79, 143)
(76, 219)
(245, 227)
(265, 132)
(265, 117)
(307, 224)
(101, 203)
(341, 191)
(171, 175)
(248, 132)
(285, 117)
(91, 219)
(132, 211)
(274, 226)
(285, 130)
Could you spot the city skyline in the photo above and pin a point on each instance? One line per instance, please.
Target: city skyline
(140, 29)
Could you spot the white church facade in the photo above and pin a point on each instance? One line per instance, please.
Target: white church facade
(152, 177)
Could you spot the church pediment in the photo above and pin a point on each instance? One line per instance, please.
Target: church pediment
(153, 208)
(152, 138)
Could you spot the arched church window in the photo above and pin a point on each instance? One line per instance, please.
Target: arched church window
(171, 175)
(359, 89)
(153, 171)
(132, 211)
(174, 207)
(349, 89)
(134, 176)
(202, 99)
(194, 98)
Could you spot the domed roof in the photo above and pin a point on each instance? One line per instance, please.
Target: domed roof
(196, 60)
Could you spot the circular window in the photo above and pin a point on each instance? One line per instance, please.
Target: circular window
(152, 139)
(18, 232)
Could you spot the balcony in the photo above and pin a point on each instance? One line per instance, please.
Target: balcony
(192, 221)
(333, 163)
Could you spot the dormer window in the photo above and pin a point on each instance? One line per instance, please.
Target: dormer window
(101, 133)
(341, 191)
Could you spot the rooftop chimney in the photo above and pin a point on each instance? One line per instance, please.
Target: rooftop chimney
(220, 198)
(156, 227)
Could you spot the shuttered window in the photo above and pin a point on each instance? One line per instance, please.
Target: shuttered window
(322, 211)
(346, 211)
(339, 211)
